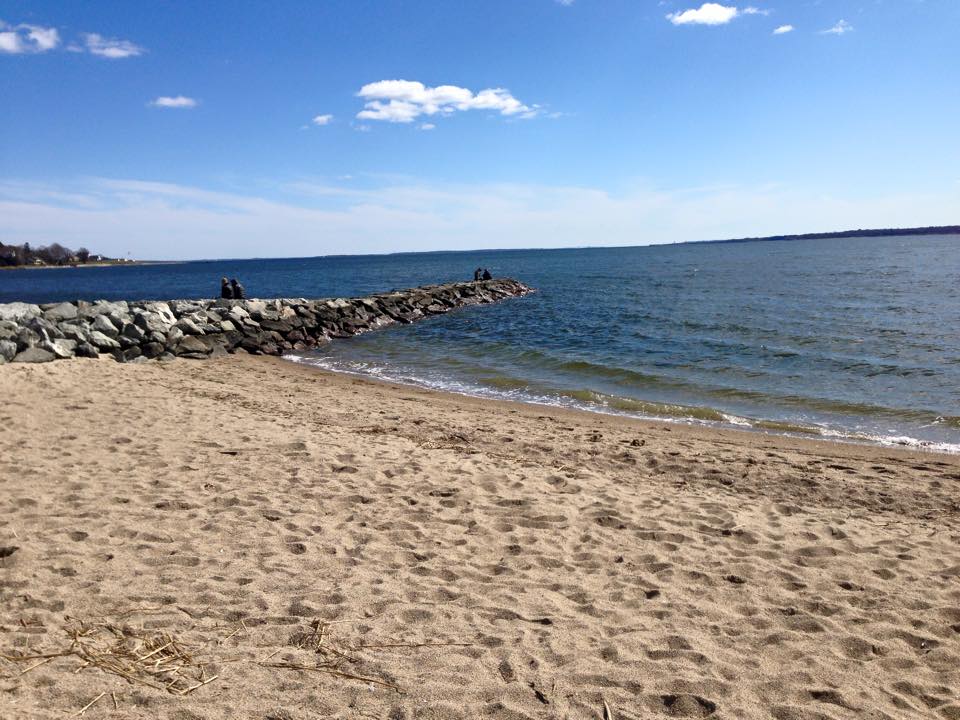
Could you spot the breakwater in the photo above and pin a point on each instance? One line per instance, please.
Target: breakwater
(145, 330)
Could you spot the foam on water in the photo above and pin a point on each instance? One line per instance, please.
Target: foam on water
(516, 391)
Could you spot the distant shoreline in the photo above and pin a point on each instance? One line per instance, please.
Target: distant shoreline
(839, 235)
(90, 264)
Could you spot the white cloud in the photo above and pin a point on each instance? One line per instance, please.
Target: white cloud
(403, 101)
(783, 30)
(322, 120)
(22, 39)
(110, 47)
(707, 14)
(840, 28)
(712, 14)
(180, 101)
(159, 220)
(567, 3)
(427, 126)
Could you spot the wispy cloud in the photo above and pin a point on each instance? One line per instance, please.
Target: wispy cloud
(117, 216)
(403, 101)
(841, 28)
(783, 30)
(427, 126)
(178, 101)
(322, 120)
(567, 3)
(110, 48)
(24, 39)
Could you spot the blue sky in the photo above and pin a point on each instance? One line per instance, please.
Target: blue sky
(226, 129)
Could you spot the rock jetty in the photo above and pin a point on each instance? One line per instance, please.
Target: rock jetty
(141, 331)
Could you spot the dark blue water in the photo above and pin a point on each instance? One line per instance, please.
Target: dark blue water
(852, 338)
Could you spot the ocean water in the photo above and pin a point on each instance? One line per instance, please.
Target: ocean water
(855, 339)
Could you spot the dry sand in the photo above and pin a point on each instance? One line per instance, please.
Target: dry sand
(488, 559)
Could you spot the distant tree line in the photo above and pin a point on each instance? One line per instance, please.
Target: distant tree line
(53, 254)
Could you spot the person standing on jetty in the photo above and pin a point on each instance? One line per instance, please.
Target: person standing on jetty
(238, 292)
(477, 274)
(226, 291)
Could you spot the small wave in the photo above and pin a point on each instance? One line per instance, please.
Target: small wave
(514, 389)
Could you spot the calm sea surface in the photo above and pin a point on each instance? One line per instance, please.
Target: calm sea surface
(853, 338)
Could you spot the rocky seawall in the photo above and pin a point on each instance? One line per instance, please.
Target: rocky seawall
(141, 331)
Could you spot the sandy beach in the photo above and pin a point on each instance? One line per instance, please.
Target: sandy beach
(313, 545)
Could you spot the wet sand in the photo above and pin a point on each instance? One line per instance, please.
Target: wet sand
(464, 558)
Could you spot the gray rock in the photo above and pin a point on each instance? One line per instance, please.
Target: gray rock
(27, 338)
(34, 355)
(8, 349)
(238, 314)
(102, 323)
(102, 342)
(192, 345)
(173, 337)
(163, 310)
(61, 312)
(119, 319)
(102, 307)
(128, 354)
(18, 311)
(44, 328)
(62, 348)
(151, 322)
(153, 349)
(132, 332)
(86, 350)
(80, 333)
(189, 327)
(8, 329)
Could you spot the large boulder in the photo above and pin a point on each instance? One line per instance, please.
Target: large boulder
(102, 342)
(8, 350)
(151, 322)
(80, 333)
(61, 312)
(163, 310)
(34, 355)
(103, 307)
(62, 349)
(127, 355)
(192, 346)
(17, 311)
(102, 323)
(86, 350)
(188, 326)
(132, 332)
(44, 328)
(8, 329)
(27, 338)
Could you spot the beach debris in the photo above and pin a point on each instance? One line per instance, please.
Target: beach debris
(168, 663)
(146, 657)
(607, 712)
(89, 705)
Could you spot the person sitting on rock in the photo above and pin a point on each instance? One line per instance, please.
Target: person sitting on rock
(238, 292)
(487, 275)
(225, 290)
